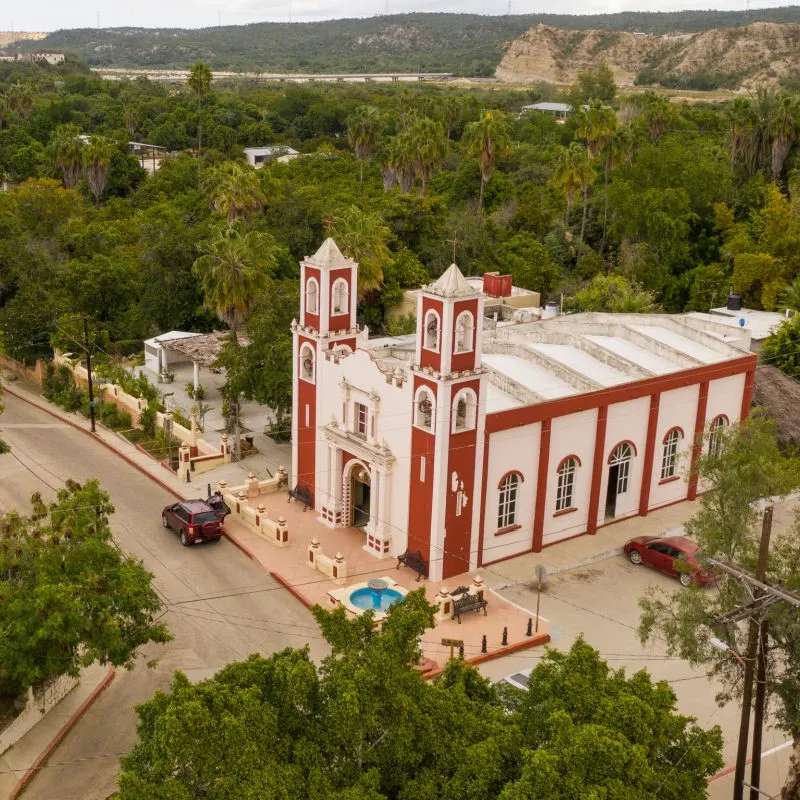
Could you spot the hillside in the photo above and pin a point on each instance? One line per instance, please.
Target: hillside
(9, 37)
(466, 44)
(734, 58)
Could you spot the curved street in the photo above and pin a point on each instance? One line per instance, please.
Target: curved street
(221, 606)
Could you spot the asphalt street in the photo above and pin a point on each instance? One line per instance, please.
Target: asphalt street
(221, 606)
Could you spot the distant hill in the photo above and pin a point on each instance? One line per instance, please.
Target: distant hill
(731, 58)
(465, 44)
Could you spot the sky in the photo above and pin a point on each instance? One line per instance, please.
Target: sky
(49, 15)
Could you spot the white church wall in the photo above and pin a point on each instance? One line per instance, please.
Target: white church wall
(515, 450)
(570, 435)
(677, 408)
(625, 422)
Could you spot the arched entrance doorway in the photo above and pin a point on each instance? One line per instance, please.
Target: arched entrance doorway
(358, 481)
(619, 468)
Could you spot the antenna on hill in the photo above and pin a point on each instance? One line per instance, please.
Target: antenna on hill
(290, 11)
(509, 8)
(98, 18)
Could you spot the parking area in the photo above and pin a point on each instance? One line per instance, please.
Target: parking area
(601, 602)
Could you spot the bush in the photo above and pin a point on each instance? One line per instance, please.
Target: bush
(59, 387)
(147, 419)
(134, 385)
(4, 448)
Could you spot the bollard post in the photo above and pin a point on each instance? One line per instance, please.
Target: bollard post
(484, 648)
(461, 651)
(529, 632)
(505, 636)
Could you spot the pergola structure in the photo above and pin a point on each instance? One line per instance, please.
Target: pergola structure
(202, 350)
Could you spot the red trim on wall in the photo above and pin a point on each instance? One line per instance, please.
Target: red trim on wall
(511, 472)
(567, 458)
(721, 416)
(673, 428)
(747, 396)
(616, 447)
(597, 468)
(541, 486)
(670, 480)
(517, 417)
(507, 529)
(482, 522)
(569, 510)
(697, 445)
(649, 453)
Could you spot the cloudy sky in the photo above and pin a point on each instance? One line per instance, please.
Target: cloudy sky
(49, 15)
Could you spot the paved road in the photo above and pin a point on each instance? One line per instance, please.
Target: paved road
(222, 607)
(601, 602)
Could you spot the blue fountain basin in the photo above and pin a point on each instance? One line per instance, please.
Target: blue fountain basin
(367, 599)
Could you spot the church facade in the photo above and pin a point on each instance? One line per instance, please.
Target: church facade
(473, 441)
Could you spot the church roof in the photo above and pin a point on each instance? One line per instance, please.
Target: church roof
(329, 255)
(452, 284)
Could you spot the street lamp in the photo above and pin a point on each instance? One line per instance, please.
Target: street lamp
(718, 644)
(168, 428)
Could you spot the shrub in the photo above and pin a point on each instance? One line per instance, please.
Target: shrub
(147, 419)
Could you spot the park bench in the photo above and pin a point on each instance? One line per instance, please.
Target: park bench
(466, 603)
(302, 494)
(413, 560)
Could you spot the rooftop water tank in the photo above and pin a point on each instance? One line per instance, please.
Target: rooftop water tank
(550, 310)
(734, 302)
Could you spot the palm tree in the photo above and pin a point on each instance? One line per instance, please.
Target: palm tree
(487, 139)
(741, 125)
(363, 236)
(400, 158)
(429, 146)
(363, 129)
(785, 130)
(3, 109)
(657, 112)
(451, 114)
(96, 158)
(20, 98)
(235, 190)
(596, 124)
(199, 81)
(619, 150)
(235, 272)
(67, 148)
(573, 173)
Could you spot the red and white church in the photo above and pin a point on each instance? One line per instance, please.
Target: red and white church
(474, 441)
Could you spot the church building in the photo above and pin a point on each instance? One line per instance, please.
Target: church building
(474, 440)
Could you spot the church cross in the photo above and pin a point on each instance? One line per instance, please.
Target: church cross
(455, 241)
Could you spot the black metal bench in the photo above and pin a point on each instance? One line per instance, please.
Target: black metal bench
(302, 494)
(413, 560)
(466, 603)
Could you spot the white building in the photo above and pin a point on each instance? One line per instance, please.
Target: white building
(48, 56)
(258, 156)
(473, 446)
(559, 110)
(156, 355)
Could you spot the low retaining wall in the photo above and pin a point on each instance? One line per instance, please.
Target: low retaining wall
(21, 371)
(37, 705)
(245, 506)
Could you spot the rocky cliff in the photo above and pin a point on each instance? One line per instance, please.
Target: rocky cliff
(737, 58)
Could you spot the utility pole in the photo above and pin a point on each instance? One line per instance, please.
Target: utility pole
(758, 721)
(89, 369)
(750, 658)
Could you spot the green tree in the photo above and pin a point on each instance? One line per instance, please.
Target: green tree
(785, 130)
(574, 173)
(400, 162)
(657, 114)
(235, 190)
(597, 84)
(21, 98)
(68, 595)
(614, 294)
(96, 158)
(67, 148)
(429, 146)
(790, 297)
(363, 131)
(745, 466)
(782, 348)
(487, 139)
(199, 81)
(742, 121)
(530, 263)
(235, 272)
(363, 236)
(597, 124)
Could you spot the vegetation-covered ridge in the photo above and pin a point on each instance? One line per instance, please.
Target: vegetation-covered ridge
(465, 44)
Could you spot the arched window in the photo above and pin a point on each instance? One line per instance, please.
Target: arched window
(340, 296)
(507, 501)
(465, 411)
(565, 491)
(312, 296)
(307, 363)
(669, 455)
(621, 457)
(464, 329)
(716, 435)
(432, 331)
(424, 408)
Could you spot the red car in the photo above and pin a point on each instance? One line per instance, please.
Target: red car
(672, 555)
(193, 520)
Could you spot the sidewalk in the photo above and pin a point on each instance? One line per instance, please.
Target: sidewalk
(582, 550)
(19, 763)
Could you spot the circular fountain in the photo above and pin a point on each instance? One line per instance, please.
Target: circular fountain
(375, 596)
